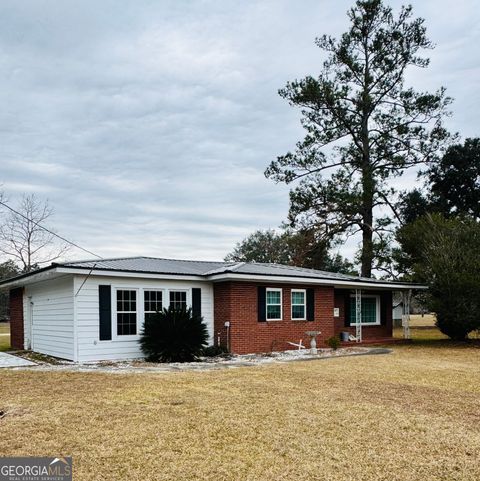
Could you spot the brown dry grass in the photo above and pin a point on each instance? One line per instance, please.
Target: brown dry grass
(411, 415)
(4, 337)
(427, 320)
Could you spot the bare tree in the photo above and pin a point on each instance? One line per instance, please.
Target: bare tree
(23, 237)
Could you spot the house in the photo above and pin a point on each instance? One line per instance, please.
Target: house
(94, 310)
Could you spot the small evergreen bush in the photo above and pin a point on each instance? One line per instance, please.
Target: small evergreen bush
(173, 336)
(213, 351)
(333, 342)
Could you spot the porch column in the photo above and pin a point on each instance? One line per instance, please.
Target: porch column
(407, 295)
(358, 314)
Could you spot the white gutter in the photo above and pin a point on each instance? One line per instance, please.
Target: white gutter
(316, 281)
(56, 271)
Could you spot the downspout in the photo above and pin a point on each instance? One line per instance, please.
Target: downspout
(30, 324)
(75, 327)
(227, 325)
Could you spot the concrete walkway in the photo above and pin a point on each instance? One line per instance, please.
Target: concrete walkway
(236, 361)
(7, 360)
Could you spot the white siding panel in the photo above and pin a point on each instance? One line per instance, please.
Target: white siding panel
(48, 308)
(90, 348)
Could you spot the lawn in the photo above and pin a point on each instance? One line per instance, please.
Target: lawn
(4, 336)
(410, 415)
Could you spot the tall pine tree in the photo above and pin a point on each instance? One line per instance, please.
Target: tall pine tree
(363, 127)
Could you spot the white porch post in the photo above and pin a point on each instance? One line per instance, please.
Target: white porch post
(407, 295)
(358, 314)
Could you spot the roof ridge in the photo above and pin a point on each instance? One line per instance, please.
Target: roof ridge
(311, 270)
(289, 267)
(225, 268)
(103, 259)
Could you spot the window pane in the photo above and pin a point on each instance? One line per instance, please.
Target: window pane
(126, 323)
(273, 312)
(149, 315)
(153, 301)
(126, 312)
(369, 310)
(178, 299)
(298, 312)
(273, 297)
(298, 297)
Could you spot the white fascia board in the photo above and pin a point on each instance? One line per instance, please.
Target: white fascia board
(310, 280)
(61, 271)
(141, 275)
(31, 279)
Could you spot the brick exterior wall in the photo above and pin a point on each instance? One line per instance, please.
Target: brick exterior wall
(368, 332)
(236, 302)
(16, 318)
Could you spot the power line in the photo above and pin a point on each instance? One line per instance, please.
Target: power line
(49, 231)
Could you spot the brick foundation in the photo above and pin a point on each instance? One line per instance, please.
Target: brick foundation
(16, 318)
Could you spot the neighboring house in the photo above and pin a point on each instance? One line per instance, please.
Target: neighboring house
(94, 310)
(397, 314)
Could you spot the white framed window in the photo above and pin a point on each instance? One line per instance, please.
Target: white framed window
(126, 312)
(370, 310)
(274, 304)
(178, 299)
(299, 304)
(152, 301)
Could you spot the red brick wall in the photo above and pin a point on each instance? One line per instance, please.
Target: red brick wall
(16, 318)
(237, 302)
(368, 332)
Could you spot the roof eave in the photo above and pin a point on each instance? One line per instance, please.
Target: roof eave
(343, 283)
(57, 269)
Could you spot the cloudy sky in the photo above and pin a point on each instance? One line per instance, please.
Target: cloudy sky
(148, 124)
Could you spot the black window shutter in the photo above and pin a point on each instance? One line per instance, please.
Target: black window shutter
(262, 303)
(384, 303)
(197, 301)
(310, 304)
(347, 307)
(105, 312)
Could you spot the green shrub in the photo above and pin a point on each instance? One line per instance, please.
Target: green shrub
(333, 342)
(173, 336)
(447, 258)
(214, 351)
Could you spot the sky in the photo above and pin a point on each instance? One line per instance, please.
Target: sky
(148, 124)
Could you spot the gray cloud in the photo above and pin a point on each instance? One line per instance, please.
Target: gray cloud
(148, 124)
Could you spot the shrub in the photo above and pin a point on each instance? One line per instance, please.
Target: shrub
(173, 336)
(213, 351)
(448, 259)
(333, 342)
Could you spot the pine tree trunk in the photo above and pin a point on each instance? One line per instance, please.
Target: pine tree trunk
(368, 182)
(367, 245)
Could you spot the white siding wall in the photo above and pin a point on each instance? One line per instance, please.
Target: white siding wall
(90, 348)
(48, 317)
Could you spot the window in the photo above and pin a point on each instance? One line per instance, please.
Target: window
(178, 299)
(298, 304)
(370, 310)
(274, 304)
(126, 312)
(152, 302)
